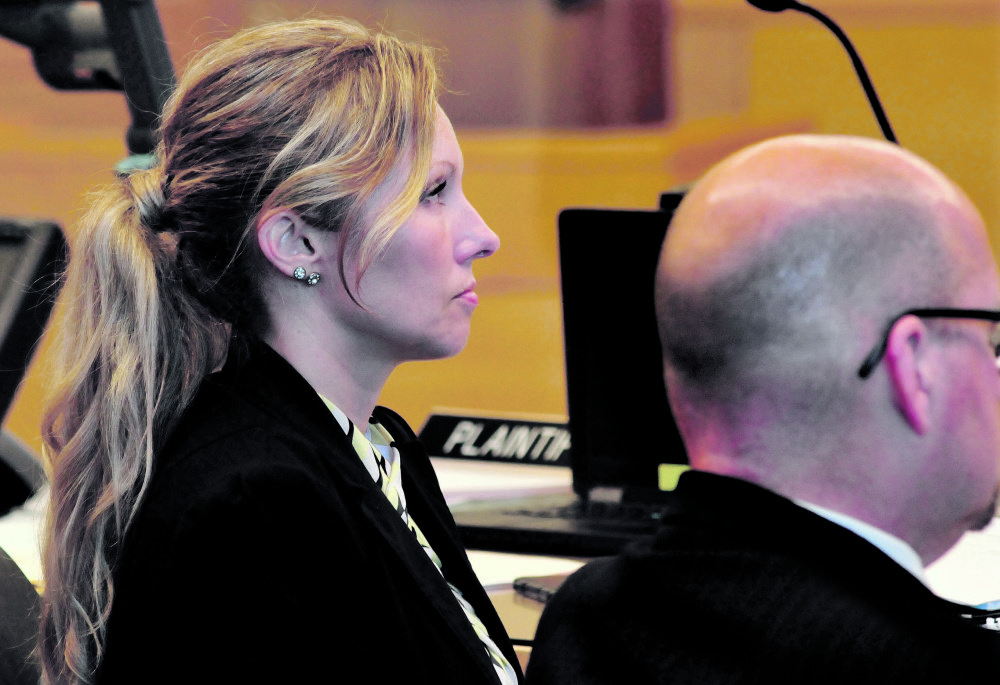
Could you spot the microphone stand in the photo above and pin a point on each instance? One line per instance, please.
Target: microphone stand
(859, 67)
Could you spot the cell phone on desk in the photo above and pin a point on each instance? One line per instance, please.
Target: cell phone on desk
(539, 588)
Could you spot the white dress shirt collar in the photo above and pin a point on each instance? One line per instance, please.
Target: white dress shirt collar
(897, 550)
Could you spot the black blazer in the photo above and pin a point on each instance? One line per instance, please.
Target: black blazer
(741, 585)
(264, 553)
(20, 612)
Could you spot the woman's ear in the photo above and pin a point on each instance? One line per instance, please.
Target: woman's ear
(909, 363)
(287, 241)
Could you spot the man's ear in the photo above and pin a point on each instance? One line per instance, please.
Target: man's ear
(287, 241)
(909, 363)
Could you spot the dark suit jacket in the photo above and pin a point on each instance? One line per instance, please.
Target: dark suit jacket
(264, 553)
(20, 612)
(741, 585)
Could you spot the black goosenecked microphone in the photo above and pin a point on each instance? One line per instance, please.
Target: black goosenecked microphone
(859, 67)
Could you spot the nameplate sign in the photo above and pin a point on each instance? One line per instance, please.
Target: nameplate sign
(496, 439)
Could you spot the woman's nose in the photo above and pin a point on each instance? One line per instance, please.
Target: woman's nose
(482, 240)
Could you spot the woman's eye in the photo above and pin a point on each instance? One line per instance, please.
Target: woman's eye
(434, 192)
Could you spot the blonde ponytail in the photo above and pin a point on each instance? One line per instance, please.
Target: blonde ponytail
(131, 349)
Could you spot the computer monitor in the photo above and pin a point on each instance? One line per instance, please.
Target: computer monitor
(32, 254)
(621, 426)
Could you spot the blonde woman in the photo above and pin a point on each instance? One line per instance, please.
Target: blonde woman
(228, 503)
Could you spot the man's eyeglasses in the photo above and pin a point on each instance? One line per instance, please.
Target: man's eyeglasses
(872, 360)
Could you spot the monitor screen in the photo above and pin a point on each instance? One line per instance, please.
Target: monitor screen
(621, 426)
(32, 255)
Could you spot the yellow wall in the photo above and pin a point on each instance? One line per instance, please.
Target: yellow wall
(738, 75)
(937, 73)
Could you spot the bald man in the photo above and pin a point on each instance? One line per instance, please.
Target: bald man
(827, 308)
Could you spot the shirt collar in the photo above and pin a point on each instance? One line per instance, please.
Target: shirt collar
(895, 548)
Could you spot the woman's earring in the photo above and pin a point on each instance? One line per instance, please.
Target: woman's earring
(300, 275)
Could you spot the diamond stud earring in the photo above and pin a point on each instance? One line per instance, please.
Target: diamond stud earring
(300, 275)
